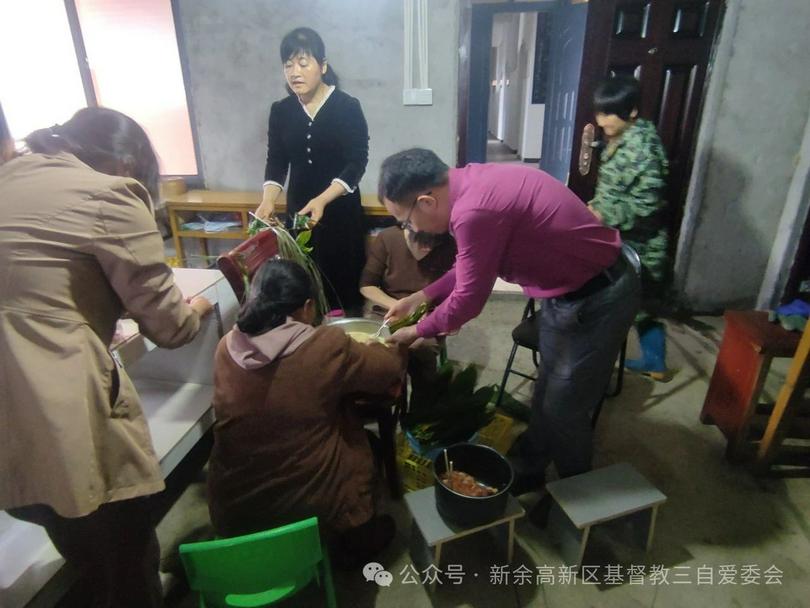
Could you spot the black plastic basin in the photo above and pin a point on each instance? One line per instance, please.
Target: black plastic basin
(488, 467)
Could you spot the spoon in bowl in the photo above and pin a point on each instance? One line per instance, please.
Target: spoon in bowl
(382, 327)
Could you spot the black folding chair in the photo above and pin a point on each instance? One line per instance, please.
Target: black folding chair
(527, 335)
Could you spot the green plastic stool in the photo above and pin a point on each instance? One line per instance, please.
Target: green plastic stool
(259, 569)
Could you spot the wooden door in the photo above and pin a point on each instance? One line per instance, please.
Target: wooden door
(667, 45)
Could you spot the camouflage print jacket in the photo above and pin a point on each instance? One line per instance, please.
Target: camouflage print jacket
(630, 193)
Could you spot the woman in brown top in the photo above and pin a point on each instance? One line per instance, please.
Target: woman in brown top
(288, 443)
(78, 247)
(398, 266)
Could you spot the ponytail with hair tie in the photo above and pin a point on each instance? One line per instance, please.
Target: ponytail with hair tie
(279, 288)
(259, 315)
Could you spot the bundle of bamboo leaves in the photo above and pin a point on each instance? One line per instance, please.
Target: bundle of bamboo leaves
(296, 249)
(411, 319)
(449, 409)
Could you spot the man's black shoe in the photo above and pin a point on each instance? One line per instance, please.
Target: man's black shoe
(538, 515)
(525, 483)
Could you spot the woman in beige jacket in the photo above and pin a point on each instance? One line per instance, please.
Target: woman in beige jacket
(78, 248)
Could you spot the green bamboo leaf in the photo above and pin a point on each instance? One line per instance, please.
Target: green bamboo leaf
(464, 383)
(289, 249)
(486, 393)
(411, 319)
(450, 409)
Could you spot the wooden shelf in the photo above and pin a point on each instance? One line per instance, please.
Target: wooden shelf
(371, 206)
(242, 203)
(209, 201)
(201, 234)
(196, 200)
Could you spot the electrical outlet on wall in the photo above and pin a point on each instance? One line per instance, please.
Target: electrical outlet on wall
(417, 97)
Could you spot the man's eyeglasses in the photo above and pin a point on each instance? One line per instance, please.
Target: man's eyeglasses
(406, 223)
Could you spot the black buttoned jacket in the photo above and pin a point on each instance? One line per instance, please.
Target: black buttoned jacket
(315, 152)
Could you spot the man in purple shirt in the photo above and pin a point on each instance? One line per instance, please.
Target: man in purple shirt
(522, 225)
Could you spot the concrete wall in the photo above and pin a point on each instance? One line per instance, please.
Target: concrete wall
(752, 125)
(235, 74)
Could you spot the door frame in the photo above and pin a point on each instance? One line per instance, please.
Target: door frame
(788, 263)
(710, 108)
(476, 24)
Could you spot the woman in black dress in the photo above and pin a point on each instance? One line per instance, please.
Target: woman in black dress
(320, 135)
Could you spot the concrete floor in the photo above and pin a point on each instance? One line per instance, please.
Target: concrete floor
(718, 518)
(499, 152)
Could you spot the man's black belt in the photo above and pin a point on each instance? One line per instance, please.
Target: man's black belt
(607, 277)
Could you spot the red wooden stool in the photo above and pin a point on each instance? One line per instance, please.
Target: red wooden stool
(750, 342)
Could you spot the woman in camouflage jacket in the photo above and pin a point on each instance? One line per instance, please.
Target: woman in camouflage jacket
(630, 197)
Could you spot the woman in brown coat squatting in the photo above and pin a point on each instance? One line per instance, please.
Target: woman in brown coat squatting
(288, 443)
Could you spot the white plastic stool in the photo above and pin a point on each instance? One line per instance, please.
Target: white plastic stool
(610, 493)
(431, 531)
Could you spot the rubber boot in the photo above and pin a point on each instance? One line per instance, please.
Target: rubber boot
(653, 340)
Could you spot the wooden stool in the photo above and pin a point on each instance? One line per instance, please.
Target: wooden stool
(617, 491)
(790, 418)
(435, 531)
(750, 342)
